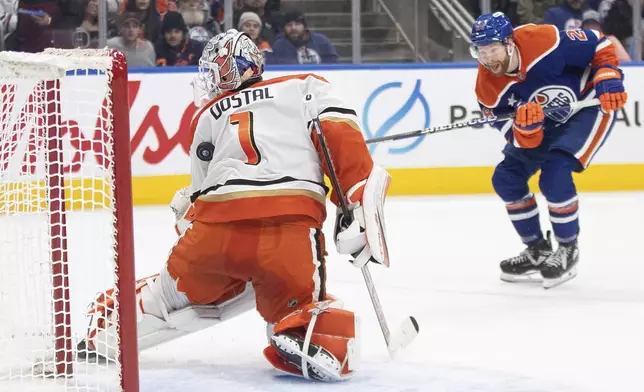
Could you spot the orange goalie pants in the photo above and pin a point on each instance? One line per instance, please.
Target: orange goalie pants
(283, 257)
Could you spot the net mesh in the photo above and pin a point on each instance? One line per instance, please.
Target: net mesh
(57, 222)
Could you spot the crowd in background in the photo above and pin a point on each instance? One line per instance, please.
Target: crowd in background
(614, 18)
(161, 32)
(174, 32)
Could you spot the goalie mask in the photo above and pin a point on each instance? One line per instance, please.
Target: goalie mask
(228, 60)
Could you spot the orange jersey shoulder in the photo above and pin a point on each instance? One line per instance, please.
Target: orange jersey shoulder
(534, 42)
(489, 88)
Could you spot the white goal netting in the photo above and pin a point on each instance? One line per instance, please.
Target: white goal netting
(58, 227)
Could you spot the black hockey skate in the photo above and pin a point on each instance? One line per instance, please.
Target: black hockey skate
(527, 265)
(561, 266)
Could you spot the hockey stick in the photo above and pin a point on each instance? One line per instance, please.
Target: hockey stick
(409, 328)
(479, 121)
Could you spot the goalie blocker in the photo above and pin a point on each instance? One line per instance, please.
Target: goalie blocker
(364, 237)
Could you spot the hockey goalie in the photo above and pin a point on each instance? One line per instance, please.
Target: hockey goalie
(250, 223)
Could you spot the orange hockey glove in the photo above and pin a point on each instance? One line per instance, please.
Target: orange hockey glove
(609, 88)
(528, 125)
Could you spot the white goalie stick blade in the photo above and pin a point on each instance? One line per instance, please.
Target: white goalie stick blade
(550, 283)
(403, 336)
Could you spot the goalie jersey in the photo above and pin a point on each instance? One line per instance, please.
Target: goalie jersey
(556, 68)
(255, 154)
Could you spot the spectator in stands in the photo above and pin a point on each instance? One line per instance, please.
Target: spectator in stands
(272, 6)
(531, 11)
(238, 5)
(619, 19)
(567, 15)
(86, 35)
(8, 20)
(593, 4)
(138, 51)
(162, 6)
(591, 20)
(175, 47)
(619, 22)
(270, 22)
(299, 45)
(113, 6)
(508, 7)
(272, 14)
(35, 33)
(196, 14)
(151, 19)
(217, 12)
(251, 24)
(604, 7)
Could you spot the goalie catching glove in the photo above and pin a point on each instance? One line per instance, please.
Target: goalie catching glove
(362, 234)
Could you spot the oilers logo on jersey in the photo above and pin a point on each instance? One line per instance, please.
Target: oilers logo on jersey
(554, 96)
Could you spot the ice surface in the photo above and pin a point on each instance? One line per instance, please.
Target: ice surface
(476, 332)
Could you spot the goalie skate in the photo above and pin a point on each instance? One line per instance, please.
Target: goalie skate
(321, 364)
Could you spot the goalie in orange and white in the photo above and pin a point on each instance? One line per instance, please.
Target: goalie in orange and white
(250, 223)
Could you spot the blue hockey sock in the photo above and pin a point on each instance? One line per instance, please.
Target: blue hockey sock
(558, 187)
(564, 217)
(524, 214)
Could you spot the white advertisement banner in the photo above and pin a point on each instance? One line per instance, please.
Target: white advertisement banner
(388, 101)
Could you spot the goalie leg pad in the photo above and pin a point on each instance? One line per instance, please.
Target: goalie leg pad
(163, 314)
(317, 342)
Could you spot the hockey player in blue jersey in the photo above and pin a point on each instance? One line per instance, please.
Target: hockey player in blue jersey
(524, 70)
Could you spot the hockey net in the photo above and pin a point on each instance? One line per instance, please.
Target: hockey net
(65, 219)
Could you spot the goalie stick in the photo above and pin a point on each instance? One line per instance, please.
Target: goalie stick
(409, 328)
(479, 121)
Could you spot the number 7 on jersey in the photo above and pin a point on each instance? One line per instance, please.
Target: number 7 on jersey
(244, 122)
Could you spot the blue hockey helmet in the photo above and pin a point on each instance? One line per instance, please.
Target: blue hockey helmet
(489, 29)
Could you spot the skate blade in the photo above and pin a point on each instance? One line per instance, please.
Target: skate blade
(550, 283)
(530, 277)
